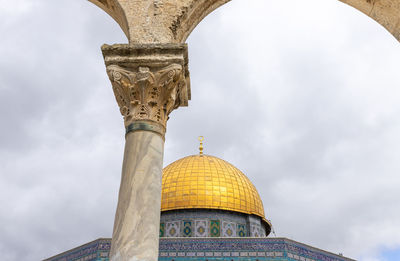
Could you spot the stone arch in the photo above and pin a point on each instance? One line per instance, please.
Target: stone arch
(172, 21)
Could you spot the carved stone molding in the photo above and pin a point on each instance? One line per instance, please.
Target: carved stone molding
(149, 82)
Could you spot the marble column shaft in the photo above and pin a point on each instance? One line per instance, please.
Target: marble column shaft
(149, 82)
(137, 220)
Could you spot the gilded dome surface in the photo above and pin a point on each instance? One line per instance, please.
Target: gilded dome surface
(207, 182)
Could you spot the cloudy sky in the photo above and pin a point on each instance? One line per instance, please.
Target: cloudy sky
(302, 96)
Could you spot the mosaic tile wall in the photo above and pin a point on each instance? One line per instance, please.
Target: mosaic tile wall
(213, 249)
(97, 250)
(210, 223)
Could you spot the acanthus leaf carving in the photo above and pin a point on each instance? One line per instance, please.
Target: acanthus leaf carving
(146, 93)
(121, 82)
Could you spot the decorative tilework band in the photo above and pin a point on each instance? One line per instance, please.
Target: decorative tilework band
(146, 126)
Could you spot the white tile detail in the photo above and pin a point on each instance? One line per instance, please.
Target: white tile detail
(201, 228)
(228, 229)
(173, 228)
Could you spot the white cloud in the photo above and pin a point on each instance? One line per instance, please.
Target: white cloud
(16, 7)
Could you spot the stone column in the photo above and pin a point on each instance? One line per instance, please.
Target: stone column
(149, 81)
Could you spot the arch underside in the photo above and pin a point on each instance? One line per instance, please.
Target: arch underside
(385, 12)
(172, 21)
(113, 8)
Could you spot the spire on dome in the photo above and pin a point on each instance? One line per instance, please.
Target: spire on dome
(201, 139)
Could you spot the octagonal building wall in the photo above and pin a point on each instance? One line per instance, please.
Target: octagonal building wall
(212, 249)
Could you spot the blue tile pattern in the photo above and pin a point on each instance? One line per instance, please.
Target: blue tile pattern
(241, 230)
(97, 250)
(187, 228)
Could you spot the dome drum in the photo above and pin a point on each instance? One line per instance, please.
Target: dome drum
(210, 223)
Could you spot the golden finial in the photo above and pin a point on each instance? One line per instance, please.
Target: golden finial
(201, 139)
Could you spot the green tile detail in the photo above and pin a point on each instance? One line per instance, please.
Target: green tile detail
(215, 228)
(162, 229)
(241, 230)
(187, 228)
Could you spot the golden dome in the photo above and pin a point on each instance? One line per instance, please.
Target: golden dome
(207, 182)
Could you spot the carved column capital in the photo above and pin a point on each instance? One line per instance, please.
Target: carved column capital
(149, 82)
